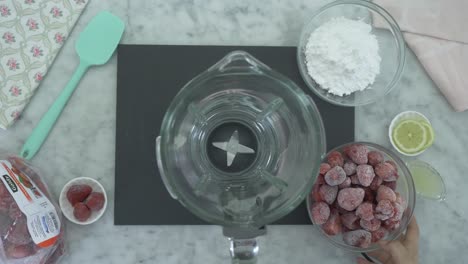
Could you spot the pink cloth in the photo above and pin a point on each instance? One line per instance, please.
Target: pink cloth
(437, 32)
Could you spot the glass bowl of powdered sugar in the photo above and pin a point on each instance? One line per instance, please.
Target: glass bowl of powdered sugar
(351, 53)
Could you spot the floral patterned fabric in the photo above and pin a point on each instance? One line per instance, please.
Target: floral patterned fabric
(31, 34)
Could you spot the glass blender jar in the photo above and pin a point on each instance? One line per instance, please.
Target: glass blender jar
(240, 147)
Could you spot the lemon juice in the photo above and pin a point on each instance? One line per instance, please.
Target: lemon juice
(427, 180)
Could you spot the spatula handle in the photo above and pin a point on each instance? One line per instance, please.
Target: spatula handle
(40, 133)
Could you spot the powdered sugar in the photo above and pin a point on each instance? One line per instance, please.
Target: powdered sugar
(342, 56)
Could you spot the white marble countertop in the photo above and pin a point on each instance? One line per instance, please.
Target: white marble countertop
(83, 141)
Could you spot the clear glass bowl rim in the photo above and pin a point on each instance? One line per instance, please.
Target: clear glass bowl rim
(443, 194)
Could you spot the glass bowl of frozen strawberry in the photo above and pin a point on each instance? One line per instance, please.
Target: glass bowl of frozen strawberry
(83, 200)
(364, 193)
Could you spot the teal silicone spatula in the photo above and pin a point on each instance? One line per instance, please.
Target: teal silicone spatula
(95, 46)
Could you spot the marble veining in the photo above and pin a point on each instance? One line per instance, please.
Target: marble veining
(83, 141)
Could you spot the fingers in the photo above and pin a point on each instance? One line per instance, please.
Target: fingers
(394, 248)
(363, 261)
(412, 234)
(379, 255)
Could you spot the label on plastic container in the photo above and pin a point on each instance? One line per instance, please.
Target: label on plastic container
(42, 218)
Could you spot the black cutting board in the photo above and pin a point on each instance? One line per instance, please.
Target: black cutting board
(148, 78)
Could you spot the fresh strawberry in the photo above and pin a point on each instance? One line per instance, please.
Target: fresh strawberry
(78, 193)
(95, 201)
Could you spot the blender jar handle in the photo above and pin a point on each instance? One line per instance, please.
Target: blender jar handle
(239, 60)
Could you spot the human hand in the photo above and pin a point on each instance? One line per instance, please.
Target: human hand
(402, 251)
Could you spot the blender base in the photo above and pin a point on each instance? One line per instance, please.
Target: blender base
(244, 246)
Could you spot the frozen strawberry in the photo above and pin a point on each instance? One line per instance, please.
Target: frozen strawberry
(315, 193)
(3, 191)
(376, 182)
(19, 251)
(365, 211)
(350, 198)
(57, 254)
(18, 163)
(391, 225)
(340, 210)
(382, 217)
(335, 159)
(372, 225)
(324, 168)
(36, 248)
(333, 225)
(5, 223)
(386, 171)
(365, 174)
(358, 238)
(385, 193)
(350, 221)
(400, 200)
(345, 184)
(394, 178)
(25, 181)
(335, 176)
(384, 207)
(344, 229)
(320, 179)
(375, 157)
(349, 168)
(398, 211)
(320, 213)
(358, 154)
(328, 193)
(391, 162)
(95, 201)
(5, 204)
(369, 195)
(379, 234)
(81, 212)
(14, 212)
(43, 188)
(392, 185)
(346, 151)
(354, 180)
(18, 233)
(78, 193)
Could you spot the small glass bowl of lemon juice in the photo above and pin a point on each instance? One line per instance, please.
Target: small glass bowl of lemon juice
(427, 180)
